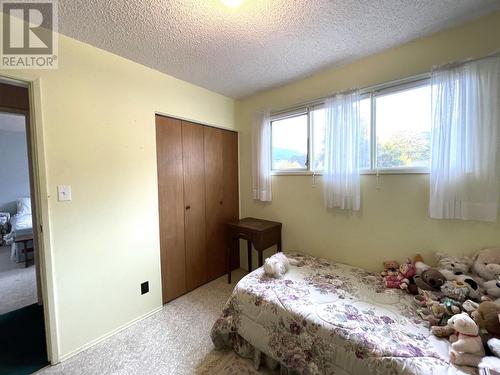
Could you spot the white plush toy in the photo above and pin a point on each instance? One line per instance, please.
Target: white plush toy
(453, 266)
(467, 347)
(278, 264)
(492, 287)
(490, 362)
(487, 263)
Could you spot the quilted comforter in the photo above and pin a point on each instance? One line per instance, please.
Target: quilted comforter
(329, 318)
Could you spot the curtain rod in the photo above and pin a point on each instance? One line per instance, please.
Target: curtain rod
(381, 86)
(462, 62)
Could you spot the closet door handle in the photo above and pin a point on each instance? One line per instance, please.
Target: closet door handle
(188, 207)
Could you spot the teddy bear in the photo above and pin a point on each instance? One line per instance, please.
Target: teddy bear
(430, 279)
(467, 347)
(486, 264)
(487, 316)
(434, 313)
(391, 274)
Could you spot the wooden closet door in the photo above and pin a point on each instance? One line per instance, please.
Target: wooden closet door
(194, 202)
(171, 207)
(214, 193)
(231, 206)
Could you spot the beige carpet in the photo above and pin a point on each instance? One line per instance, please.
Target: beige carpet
(176, 340)
(17, 283)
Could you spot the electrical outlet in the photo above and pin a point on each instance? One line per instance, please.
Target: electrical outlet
(145, 287)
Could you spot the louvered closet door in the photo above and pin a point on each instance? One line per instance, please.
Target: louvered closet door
(231, 206)
(171, 206)
(214, 193)
(194, 202)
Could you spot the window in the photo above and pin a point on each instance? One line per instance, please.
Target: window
(403, 127)
(395, 132)
(289, 142)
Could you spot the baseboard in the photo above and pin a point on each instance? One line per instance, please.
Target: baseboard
(107, 335)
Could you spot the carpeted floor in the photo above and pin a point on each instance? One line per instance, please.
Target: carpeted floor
(17, 283)
(22, 345)
(176, 340)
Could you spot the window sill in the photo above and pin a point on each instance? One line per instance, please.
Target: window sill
(395, 171)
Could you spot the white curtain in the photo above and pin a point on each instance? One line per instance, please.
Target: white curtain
(261, 157)
(464, 180)
(342, 152)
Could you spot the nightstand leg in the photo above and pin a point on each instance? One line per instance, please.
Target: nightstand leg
(249, 255)
(261, 262)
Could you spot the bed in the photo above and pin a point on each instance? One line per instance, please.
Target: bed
(22, 226)
(328, 318)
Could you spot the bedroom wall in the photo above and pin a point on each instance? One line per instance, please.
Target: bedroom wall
(14, 172)
(97, 113)
(393, 222)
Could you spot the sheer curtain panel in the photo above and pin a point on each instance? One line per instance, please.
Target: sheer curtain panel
(342, 152)
(464, 179)
(261, 157)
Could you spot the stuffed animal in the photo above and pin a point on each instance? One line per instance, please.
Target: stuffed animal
(407, 272)
(278, 264)
(487, 316)
(456, 290)
(487, 264)
(492, 362)
(456, 268)
(452, 266)
(430, 279)
(466, 348)
(391, 274)
(476, 292)
(420, 266)
(468, 306)
(492, 288)
(433, 314)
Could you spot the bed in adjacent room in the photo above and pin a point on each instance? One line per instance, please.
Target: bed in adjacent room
(21, 226)
(325, 318)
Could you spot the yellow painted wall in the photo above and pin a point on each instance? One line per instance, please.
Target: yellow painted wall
(98, 113)
(393, 222)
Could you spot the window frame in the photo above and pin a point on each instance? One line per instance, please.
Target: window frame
(383, 90)
(301, 111)
(371, 92)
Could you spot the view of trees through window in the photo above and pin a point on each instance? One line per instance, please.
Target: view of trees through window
(403, 127)
(289, 143)
(402, 133)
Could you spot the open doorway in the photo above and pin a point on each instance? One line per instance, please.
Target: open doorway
(21, 310)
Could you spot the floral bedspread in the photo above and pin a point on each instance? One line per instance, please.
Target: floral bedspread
(329, 318)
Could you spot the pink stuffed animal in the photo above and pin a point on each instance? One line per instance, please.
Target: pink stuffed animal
(406, 272)
(391, 274)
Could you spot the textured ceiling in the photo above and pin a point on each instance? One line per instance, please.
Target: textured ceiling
(263, 43)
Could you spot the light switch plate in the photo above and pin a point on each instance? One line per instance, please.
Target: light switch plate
(63, 193)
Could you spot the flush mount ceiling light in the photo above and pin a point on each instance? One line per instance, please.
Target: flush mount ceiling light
(232, 3)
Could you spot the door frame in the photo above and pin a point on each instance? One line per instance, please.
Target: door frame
(41, 218)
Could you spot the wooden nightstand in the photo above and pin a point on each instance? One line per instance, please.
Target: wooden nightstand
(262, 234)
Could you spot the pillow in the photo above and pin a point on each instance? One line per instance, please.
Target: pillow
(24, 206)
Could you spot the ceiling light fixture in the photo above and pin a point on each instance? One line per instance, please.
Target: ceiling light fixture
(232, 3)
